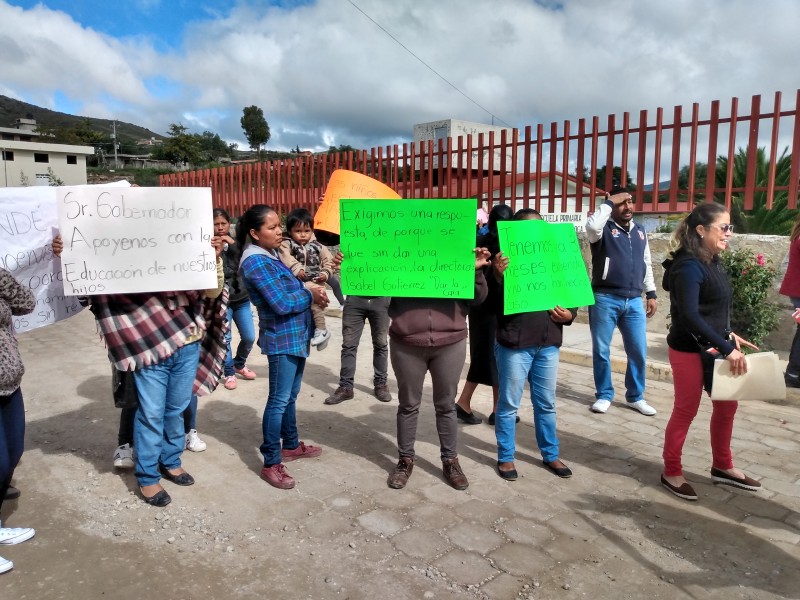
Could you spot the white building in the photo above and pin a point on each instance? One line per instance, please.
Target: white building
(27, 162)
(453, 128)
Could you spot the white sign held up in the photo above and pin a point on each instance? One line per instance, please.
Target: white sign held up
(28, 221)
(121, 241)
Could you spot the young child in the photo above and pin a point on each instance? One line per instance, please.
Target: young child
(310, 262)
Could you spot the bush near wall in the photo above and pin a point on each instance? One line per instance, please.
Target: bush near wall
(752, 277)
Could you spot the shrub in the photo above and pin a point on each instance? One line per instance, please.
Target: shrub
(751, 276)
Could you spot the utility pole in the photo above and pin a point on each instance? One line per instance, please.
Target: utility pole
(114, 137)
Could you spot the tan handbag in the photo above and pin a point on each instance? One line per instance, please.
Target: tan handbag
(763, 380)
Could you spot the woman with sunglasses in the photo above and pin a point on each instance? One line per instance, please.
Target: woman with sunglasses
(700, 306)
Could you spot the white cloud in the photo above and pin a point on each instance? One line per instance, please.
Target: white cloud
(325, 75)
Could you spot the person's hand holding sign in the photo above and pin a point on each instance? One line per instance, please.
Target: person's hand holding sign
(482, 256)
(499, 265)
(560, 315)
(58, 245)
(218, 242)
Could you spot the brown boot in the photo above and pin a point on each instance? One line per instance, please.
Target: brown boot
(453, 473)
(399, 477)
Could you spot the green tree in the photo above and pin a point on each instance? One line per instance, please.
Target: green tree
(180, 148)
(212, 146)
(600, 177)
(775, 221)
(341, 148)
(255, 127)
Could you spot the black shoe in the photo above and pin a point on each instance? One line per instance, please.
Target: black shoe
(12, 493)
(490, 420)
(507, 475)
(564, 472)
(161, 499)
(182, 479)
(467, 418)
(792, 381)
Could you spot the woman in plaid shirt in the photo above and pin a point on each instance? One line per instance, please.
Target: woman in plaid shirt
(285, 326)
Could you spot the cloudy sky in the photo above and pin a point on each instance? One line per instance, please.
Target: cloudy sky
(328, 72)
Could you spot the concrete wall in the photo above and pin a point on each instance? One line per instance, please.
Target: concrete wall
(13, 173)
(773, 247)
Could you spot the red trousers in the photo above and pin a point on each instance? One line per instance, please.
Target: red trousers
(687, 376)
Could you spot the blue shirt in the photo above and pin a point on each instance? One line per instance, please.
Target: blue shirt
(285, 324)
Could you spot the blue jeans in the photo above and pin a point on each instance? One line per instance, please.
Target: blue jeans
(280, 418)
(538, 365)
(607, 313)
(190, 415)
(242, 315)
(165, 390)
(12, 437)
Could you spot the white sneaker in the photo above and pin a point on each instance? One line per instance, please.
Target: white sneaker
(15, 535)
(601, 406)
(193, 441)
(123, 457)
(5, 565)
(320, 336)
(643, 407)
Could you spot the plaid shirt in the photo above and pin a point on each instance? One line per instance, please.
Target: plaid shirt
(143, 329)
(285, 324)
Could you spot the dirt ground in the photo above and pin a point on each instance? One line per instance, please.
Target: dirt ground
(609, 532)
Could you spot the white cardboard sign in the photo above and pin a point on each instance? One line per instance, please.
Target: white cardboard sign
(122, 241)
(28, 221)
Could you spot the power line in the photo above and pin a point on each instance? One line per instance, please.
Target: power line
(434, 71)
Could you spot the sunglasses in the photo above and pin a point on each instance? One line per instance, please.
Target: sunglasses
(724, 228)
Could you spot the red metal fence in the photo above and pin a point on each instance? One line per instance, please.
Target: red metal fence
(551, 169)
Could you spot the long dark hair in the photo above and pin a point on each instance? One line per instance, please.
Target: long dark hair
(501, 212)
(253, 218)
(686, 237)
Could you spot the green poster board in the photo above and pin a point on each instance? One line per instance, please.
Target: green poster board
(408, 248)
(545, 267)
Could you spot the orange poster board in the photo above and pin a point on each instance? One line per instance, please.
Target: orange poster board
(348, 184)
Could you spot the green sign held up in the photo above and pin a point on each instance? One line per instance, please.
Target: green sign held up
(545, 267)
(408, 248)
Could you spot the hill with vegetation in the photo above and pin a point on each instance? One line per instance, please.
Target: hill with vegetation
(127, 133)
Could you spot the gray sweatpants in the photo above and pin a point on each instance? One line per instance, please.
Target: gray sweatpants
(410, 364)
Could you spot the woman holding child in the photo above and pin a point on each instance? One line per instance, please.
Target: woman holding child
(285, 326)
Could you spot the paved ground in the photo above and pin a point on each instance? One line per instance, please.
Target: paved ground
(609, 532)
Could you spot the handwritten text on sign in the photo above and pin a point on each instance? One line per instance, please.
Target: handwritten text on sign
(545, 267)
(28, 220)
(136, 240)
(408, 248)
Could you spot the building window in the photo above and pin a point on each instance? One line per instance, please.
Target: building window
(8, 155)
(41, 157)
(72, 159)
(7, 136)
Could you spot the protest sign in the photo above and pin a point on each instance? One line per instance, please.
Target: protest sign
(545, 267)
(347, 184)
(413, 248)
(136, 239)
(28, 222)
